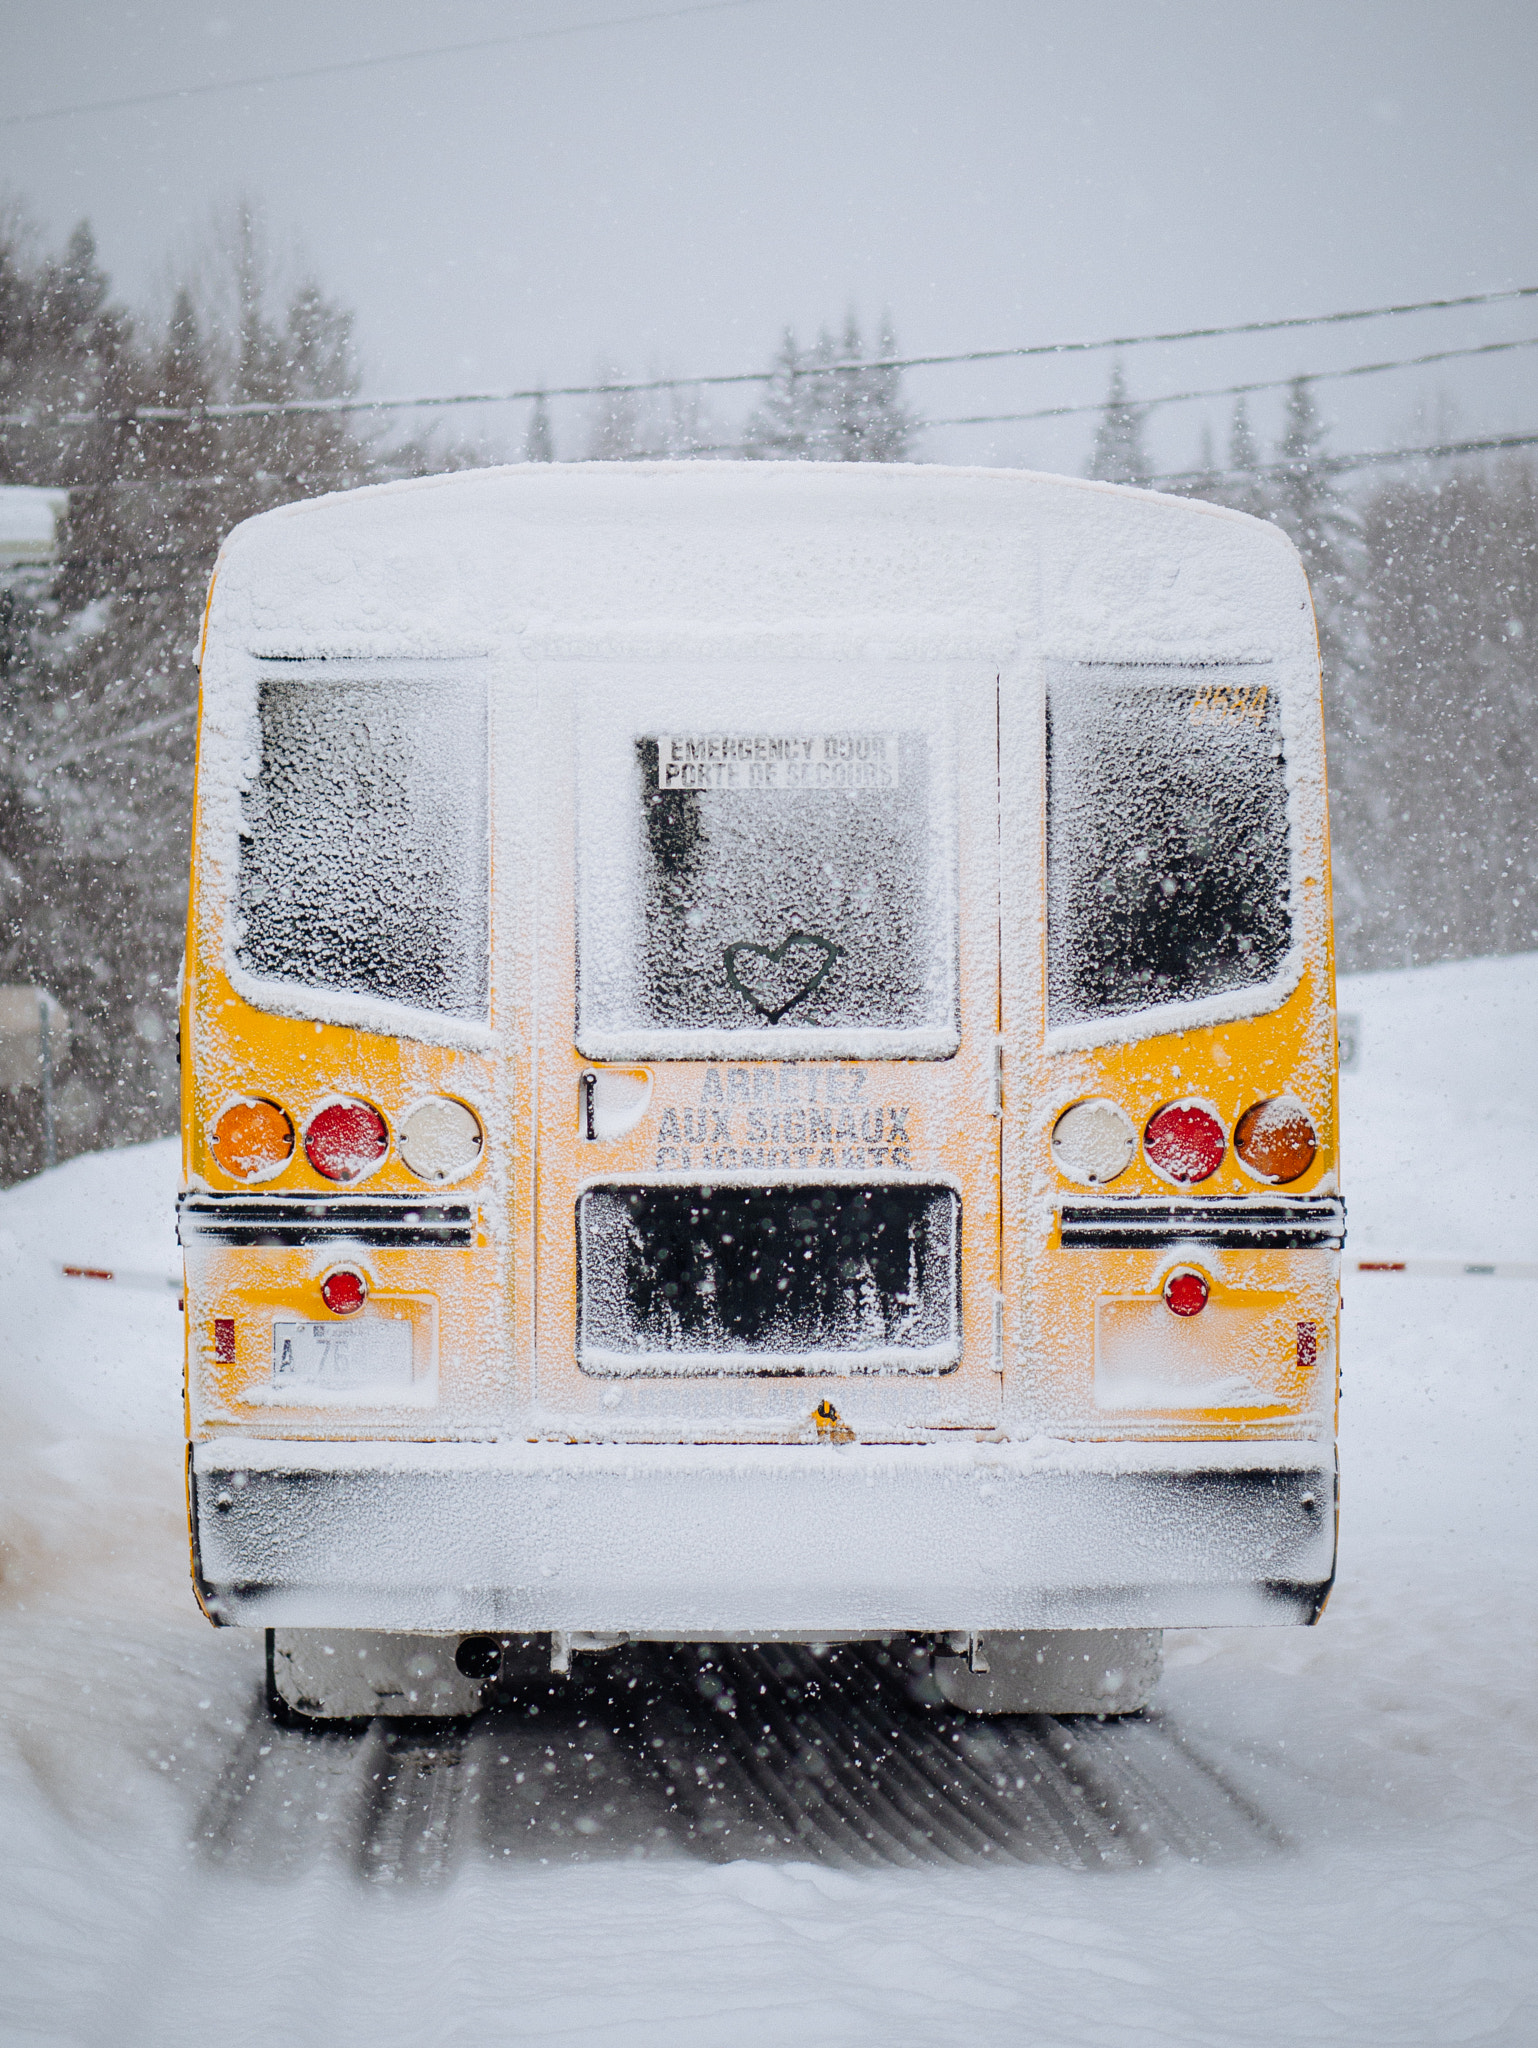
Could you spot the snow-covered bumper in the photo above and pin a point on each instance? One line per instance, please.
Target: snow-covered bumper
(700, 1541)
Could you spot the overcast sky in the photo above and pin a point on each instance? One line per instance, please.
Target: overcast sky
(672, 192)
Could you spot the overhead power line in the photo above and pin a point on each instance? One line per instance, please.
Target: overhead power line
(1058, 412)
(1064, 348)
(616, 387)
(1362, 459)
(1366, 458)
(347, 64)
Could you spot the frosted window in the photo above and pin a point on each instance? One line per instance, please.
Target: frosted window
(780, 883)
(1167, 855)
(364, 863)
(769, 1279)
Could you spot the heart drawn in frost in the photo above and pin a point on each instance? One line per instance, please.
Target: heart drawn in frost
(775, 978)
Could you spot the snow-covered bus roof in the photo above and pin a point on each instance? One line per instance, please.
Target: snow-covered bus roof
(626, 559)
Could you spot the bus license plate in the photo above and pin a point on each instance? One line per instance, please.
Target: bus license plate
(375, 1352)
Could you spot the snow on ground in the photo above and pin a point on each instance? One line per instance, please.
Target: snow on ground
(1363, 1868)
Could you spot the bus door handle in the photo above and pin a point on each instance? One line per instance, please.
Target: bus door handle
(611, 1101)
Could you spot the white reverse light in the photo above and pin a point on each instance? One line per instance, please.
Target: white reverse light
(440, 1140)
(1094, 1142)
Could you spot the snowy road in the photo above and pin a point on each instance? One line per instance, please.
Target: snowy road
(1328, 1835)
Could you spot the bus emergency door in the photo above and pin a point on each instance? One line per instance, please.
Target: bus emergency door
(766, 1143)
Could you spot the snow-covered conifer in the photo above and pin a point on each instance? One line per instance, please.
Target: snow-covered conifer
(817, 409)
(539, 444)
(1119, 455)
(782, 427)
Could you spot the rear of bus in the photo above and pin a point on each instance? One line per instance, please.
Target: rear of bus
(758, 1064)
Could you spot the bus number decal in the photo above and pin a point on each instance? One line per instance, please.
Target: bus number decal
(1220, 701)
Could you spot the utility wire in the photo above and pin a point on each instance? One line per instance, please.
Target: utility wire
(346, 64)
(1365, 459)
(1062, 348)
(1058, 412)
(266, 408)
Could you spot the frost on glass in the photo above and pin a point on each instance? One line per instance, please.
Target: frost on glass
(769, 1279)
(1167, 851)
(363, 853)
(783, 882)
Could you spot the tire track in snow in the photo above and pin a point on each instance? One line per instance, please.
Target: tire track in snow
(761, 1752)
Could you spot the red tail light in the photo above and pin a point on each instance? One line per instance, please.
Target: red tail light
(1184, 1141)
(344, 1291)
(1185, 1292)
(346, 1140)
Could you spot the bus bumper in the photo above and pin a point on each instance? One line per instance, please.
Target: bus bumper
(701, 1542)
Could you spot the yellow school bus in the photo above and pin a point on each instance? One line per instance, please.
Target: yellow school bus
(758, 1064)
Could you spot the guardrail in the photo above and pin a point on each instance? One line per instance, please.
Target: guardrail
(1448, 1269)
(124, 1276)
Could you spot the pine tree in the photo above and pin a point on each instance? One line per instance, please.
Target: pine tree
(848, 393)
(1119, 455)
(783, 426)
(183, 381)
(1238, 482)
(881, 427)
(1301, 496)
(614, 422)
(1246, 490)
(1432, 779)
(1305, 503)
(685, 428)
(539, 445)
(96, 704)
(1206, 483)
(818, 410)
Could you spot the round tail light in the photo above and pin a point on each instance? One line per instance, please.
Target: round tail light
(440, 1140)
(344, 1291)
(1184, 1141)
(1094, 1142)
(1276, 1140)
(252, 1139)
(346, 1140)
(1185, 1292)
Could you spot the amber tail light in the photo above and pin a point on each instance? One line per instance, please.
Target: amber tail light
(252, 1139)
(1276, 1140)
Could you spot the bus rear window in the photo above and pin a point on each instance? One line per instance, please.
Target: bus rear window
(1167, 851)
(745, 886)
(364, 866)
(781, 1279)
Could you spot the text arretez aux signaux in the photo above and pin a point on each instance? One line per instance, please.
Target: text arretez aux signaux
(785, 1116)
(765, 760)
